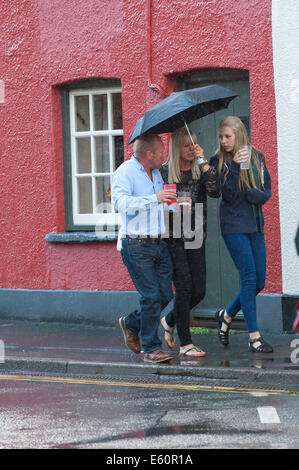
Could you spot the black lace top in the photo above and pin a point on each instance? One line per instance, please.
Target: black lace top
(207, 184)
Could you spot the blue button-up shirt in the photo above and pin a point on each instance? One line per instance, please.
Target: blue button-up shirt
(134, 197)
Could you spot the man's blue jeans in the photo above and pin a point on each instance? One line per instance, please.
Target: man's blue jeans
(249, 255)
(149, 265)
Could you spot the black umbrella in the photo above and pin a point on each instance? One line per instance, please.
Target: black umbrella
(182, 107)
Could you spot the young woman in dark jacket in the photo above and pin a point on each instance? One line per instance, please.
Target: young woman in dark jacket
(244, 192)
(188, 168)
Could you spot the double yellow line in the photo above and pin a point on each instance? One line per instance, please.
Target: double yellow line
(113, 383)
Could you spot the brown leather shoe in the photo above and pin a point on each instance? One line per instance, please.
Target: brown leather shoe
(157, 356)
(131, 339)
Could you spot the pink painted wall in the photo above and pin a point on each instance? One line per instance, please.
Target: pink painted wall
(47, 44)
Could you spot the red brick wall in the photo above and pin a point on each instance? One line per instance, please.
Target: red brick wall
(47, 44)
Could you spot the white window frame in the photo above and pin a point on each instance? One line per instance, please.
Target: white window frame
(95, 218)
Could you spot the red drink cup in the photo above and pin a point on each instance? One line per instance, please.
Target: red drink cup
(296, 322)
(173, 188)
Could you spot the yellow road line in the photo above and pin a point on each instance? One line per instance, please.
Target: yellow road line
(75, 381)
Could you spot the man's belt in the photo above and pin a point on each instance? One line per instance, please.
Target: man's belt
(141, 238)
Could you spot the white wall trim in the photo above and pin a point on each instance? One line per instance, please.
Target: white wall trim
(285, 35)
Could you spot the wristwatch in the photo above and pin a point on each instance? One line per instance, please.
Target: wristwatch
(202, 161)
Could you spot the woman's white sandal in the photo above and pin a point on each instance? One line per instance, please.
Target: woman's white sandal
(194, 348)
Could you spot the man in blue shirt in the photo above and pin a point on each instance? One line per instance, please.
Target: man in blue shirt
(138, 195)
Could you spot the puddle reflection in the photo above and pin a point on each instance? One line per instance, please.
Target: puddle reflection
(204, 427)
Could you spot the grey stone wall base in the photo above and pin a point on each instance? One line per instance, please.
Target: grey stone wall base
(276, 313)
(103, 308)
(269, 313)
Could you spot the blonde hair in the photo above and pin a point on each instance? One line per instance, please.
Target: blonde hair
(241, 138)
(179, 138)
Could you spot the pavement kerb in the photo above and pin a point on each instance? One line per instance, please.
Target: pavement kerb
(34, 365)
(279, 378)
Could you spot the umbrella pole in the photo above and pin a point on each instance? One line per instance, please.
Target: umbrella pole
(189, 133)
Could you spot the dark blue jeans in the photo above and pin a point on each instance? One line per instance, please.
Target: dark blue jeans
(150, 268)
(249, 255)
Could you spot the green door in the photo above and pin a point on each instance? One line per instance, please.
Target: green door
(222, 277)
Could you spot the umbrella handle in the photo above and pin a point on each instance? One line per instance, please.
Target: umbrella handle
(189, 133)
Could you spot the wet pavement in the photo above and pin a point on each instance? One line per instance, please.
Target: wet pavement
(94, 350)
(72, 413)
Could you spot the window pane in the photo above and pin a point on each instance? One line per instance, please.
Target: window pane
(102, 154)
(100, 112)
(84, 196)
(118, 150)
(103, 193)
(83, 155)
(117, 111)
(82, 113)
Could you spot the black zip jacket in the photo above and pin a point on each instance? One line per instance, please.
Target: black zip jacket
(237, 213)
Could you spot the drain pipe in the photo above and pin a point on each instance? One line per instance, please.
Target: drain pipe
(152, 85)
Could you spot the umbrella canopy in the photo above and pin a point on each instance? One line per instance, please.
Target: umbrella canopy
(182, 107)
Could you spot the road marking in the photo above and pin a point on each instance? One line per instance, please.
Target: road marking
(77, 381)
(259, 394)
(268, 415)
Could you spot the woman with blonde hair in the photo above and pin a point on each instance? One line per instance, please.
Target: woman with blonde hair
(188, 168)
(244, 192)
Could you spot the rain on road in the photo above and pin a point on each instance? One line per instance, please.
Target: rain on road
(94, 413)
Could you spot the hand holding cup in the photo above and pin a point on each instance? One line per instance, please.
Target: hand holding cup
(242, 157)
(168, 194)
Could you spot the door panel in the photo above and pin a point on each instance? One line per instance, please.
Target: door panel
(222, 277)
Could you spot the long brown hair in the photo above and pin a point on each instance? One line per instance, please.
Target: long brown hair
(178, 138)
(241, 135)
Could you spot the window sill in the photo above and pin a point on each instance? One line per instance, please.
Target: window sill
(81, 237)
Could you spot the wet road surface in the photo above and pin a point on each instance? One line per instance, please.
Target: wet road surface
(108, 413)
